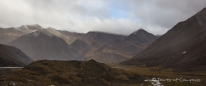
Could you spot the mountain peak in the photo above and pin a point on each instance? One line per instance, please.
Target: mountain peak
(140, 31)
(141, 36)
(30, 28)
(35, 25)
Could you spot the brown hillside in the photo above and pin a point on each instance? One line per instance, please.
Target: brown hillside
(183, 47)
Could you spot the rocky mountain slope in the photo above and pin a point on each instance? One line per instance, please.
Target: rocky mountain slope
(141, 38)
(123, 48)
(39, 46)
(100, 46)
(92, 41)
(69, 37)
(9, 34)
(183, 47)
(11, 56)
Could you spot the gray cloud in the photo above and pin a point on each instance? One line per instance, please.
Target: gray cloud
(164, 13)
(114, 16)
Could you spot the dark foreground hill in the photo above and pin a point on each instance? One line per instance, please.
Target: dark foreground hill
(183, 47)
(70, 73)
(11, 56)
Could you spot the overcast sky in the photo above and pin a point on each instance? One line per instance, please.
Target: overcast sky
(113, 16)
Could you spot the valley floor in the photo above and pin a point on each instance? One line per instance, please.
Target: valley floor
(150, 75)
(167, 77)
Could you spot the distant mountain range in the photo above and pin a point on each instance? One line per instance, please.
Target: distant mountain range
(122, 48)
(39, 45)
(181, 48)
(48, 43)
(9, 34)
(11, 56)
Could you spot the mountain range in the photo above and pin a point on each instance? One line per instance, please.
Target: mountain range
(39, 46)
(121, 49)
(182, 48)
(48, 43)
(44, 53)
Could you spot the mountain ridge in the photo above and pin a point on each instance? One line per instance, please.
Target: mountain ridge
(11, 56)
(89, 43)
(181, 48)
(39, 46)
(120, 48)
